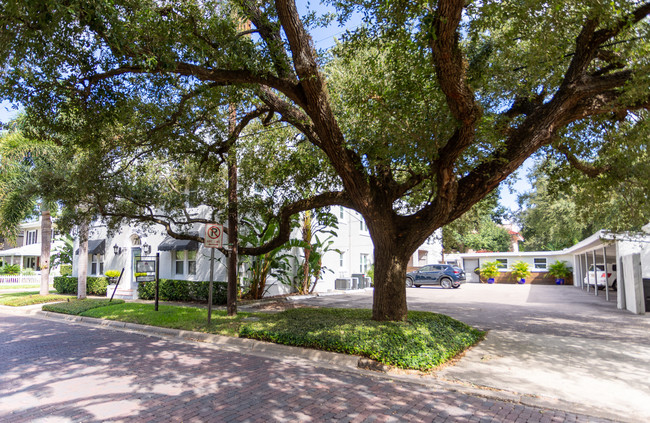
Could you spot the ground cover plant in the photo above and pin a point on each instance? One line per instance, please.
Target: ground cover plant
(75, 307)
(19, 299)
(424, 341)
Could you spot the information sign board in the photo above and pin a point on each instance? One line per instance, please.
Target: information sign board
(146, 278)
(213, 235)
(145, 266)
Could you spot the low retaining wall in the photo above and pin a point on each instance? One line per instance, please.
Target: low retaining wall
(535, 278)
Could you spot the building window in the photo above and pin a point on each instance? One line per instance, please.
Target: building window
(362, 224)
(191, 262)
(96, 264)
(540, 263)
(502, 263)
(32, 237)
(29, 263)
(341, 215)
(363, 263)
(341, 260)
(179, 259)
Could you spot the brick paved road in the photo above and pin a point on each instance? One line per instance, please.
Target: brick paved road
(57, 372)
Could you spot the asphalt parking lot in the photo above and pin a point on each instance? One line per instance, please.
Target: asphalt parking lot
(557, 342)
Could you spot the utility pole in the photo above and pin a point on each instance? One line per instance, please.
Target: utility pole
(233, 233)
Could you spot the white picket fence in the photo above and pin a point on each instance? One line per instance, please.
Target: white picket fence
(20, 279)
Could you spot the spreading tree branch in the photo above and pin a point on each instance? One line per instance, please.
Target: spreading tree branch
(318, 201)
(584, 167)
(270, 33)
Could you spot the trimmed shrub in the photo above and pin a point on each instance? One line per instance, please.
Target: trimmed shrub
(68, 285)
(65, 285)
(179, 290)
(65, 269)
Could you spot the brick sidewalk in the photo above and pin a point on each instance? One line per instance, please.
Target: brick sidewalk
(57, 372)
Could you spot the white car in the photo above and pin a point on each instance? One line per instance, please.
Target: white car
(599, 277)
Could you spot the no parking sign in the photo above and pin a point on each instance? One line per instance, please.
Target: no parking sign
(213, 235)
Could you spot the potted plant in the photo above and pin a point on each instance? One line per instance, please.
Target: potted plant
(521, 271)
(490, 270)
(112, 276)
(559, 270)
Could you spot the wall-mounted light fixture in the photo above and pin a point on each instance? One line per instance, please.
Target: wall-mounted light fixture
(117, 250)
(146, 248)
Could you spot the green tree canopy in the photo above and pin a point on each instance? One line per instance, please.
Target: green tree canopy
(479, 228)
(566, 206)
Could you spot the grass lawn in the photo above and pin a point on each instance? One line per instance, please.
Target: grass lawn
(425, 341)
(19, 299)
(76, 307)
(185, 318)
(23, 286)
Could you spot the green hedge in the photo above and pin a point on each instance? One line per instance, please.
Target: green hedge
(178, 290)
(68, 285)
(65, 269)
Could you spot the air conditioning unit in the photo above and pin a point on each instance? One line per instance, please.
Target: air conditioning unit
(342, 284)
(355, 283)
(361, 281)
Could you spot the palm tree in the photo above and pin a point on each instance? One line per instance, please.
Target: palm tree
(20, 193)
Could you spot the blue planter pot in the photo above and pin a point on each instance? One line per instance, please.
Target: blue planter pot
(521, 281)
(491, 280)
(559, 281)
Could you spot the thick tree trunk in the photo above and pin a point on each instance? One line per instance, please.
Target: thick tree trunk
(46, 247)
(82, 271)
(390, 261)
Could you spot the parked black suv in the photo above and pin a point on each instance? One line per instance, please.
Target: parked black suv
(445, 275)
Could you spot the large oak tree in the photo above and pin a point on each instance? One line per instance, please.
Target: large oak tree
(421, 112)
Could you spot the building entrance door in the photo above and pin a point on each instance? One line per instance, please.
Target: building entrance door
(136, 254)
(469, 266)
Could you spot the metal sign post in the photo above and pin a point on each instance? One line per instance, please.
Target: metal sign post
(213, 239)
(210, 285)
(157, 280)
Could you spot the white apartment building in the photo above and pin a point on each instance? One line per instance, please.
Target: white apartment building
(350, 255)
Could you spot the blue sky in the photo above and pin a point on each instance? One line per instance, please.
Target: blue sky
(7, 112)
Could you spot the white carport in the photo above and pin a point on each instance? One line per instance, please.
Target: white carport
(609, 248)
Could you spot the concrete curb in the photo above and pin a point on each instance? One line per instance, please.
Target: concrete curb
(336, 361)
(249, 346)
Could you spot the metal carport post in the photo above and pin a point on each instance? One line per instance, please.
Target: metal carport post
(576, 268)
(587, 271)
(606, 274)
(593, 253)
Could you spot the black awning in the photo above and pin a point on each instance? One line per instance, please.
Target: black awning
(178, 244)
(95, 246)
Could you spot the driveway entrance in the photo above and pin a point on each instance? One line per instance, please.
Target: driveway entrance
(550, 341)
